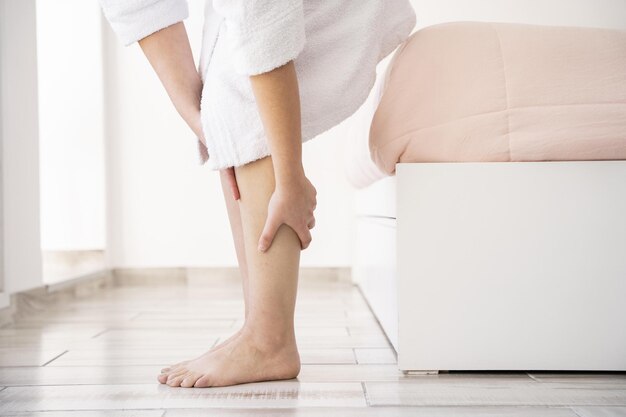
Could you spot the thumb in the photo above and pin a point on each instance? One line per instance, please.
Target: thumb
(269, 231)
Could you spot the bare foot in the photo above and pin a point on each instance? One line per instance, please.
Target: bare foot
(167, 370)
(245, 359)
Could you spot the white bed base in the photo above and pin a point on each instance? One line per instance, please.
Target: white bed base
(498, 266)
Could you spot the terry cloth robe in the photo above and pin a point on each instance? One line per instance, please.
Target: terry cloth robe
(335, 45)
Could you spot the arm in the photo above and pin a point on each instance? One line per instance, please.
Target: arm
(157, 25)
(278, 99)
(294, 199)
(169, 53)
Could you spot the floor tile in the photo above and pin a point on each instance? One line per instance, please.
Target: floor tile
(113, 344)
(487, 392)
(587, 378)
(146, 374)
(115, 356)
(306, 334)
(127, 324)
(380, 412)
(162, 356)
(347, 341)
(37, 334)
(266, 394)
(79, 316)
(78, 375)
(327, 356)
(600, 411)
(156, 336)
(27, 357)
(366, 330)
(370, 356)
(349, 373)
(325, 322)
(103, 413)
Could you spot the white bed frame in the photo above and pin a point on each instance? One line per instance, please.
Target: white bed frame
(498, 266)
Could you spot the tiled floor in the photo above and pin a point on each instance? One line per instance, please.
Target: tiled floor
(99, 356)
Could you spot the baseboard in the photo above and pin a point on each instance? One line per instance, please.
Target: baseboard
(36, 300)
(4, 300)
(198, 275)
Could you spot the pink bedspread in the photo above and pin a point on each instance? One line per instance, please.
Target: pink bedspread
(469, 91)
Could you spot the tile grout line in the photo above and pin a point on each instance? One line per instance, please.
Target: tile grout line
(55, 358)
(99, 333)
(573, 411)
(492, 406)
(356, 359)
(380, 327)
(365, 394)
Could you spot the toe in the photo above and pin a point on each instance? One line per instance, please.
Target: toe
(174, 382)
(174, 379)
(162, 378)
(203, 382)
(189, 380)
(166, 372)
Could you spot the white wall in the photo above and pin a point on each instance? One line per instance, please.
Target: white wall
(4, 299)
(20, 148)
(591, 13)
(164, 208)
(69, 58)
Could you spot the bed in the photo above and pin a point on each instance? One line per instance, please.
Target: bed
(489, 160)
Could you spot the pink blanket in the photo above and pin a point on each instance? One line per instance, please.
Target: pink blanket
(469, 91)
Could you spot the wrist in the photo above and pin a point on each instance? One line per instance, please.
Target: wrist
(192, 117)
(289, 176)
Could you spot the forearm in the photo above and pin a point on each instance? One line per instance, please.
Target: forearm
(169, 53)
(278, 100)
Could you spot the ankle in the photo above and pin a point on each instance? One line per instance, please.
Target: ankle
(271, 338)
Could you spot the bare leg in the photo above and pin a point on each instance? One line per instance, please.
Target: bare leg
(266, 347)
(237, 231)
(234, 216)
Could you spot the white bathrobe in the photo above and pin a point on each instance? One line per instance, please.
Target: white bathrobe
(335, 45)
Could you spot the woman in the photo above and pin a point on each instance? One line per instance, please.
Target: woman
(272, 74)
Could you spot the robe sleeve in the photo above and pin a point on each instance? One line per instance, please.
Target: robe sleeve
(133, 20)
(262, 34)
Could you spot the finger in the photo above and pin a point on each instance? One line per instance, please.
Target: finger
(305, 238)
(267, 236)
(232, 182)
